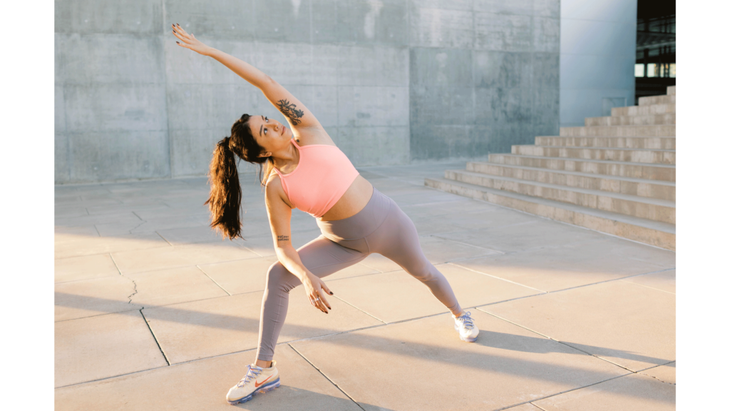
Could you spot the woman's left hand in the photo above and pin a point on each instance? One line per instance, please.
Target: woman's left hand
(189, 41)
(315, 289)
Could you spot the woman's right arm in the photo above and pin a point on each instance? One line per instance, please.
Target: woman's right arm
(280, 220)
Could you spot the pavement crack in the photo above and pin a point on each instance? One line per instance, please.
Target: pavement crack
(134, 283)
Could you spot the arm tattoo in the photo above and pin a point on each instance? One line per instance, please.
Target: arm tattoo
(282, 238)
(290, 110)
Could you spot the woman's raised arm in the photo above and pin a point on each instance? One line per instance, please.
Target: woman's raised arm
(293, 109)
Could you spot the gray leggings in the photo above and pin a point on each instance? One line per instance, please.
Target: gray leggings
(381, 227)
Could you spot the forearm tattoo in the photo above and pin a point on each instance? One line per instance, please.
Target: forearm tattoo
(282, 238)
(290, 110)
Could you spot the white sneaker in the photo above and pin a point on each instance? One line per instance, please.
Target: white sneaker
(257, 380)
(465, 326)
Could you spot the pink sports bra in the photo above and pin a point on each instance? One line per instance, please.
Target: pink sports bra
(321, 178)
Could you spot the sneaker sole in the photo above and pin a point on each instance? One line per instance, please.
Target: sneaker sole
(264, 388)
(465, 338)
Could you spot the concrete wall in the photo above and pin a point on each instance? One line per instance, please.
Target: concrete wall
(597, 57)
(392, 81)
(484, 75)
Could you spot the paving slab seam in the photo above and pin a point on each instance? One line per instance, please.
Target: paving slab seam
(211, 279)
(149, 327)
(133, 228)
(652, 288)
(560, 393)
(359, 275)
(319, 337)
(569, 288)
(358, 308)
(131, 180)
(560, 342)
(155, 306)
(498, 278)
(253, 251)
(613, 280)
(163, 237)
(107, 252)
(531, 403)
(327, 377)
(83, 279)
(180, 266)
(436, 235)
(378, 269)
(109, 378)
(96, 315)
(656, 378)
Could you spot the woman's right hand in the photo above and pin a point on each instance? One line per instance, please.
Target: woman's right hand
(315, 289)
(189, 41)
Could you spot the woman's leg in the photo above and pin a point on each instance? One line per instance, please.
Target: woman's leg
(397, 239)
(322, 257)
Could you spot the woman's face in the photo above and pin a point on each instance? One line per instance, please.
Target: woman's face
(269, 133)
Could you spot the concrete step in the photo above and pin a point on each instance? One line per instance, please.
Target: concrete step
(661, 143)
(661, 190)
(637, 229)
(672, 90)
(641, 207)
(665, 99)
(631, 155)
(662, 130)
(609, 168)
(653, 109)
(648, 120)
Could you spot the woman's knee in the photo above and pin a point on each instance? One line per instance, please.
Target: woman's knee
(279, 278)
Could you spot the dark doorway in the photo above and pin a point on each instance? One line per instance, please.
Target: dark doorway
(656, 51)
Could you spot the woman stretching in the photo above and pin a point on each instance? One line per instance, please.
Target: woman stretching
(312, 174)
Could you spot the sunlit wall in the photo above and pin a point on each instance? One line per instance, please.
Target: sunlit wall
(597, 58)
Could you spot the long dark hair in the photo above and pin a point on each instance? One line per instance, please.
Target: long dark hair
(225, 191)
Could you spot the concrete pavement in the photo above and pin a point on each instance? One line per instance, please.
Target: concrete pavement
(153, 311)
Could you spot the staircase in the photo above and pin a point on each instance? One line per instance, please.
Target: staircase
(616, 175)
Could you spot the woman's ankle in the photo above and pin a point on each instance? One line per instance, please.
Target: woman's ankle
(263, 364)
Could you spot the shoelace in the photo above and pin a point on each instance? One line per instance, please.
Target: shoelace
(466, 320)
(250, 375)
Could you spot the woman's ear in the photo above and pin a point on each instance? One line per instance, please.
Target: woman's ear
(267, 154)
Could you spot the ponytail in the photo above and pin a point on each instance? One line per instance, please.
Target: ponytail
(225, 192)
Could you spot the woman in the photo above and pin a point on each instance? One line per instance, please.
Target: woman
(312, 174)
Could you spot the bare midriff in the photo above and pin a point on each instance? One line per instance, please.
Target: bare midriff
(355, 199)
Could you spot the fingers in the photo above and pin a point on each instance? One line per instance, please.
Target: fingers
(318, 301)
(178, 32)
(326, 289)
(324, 302)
